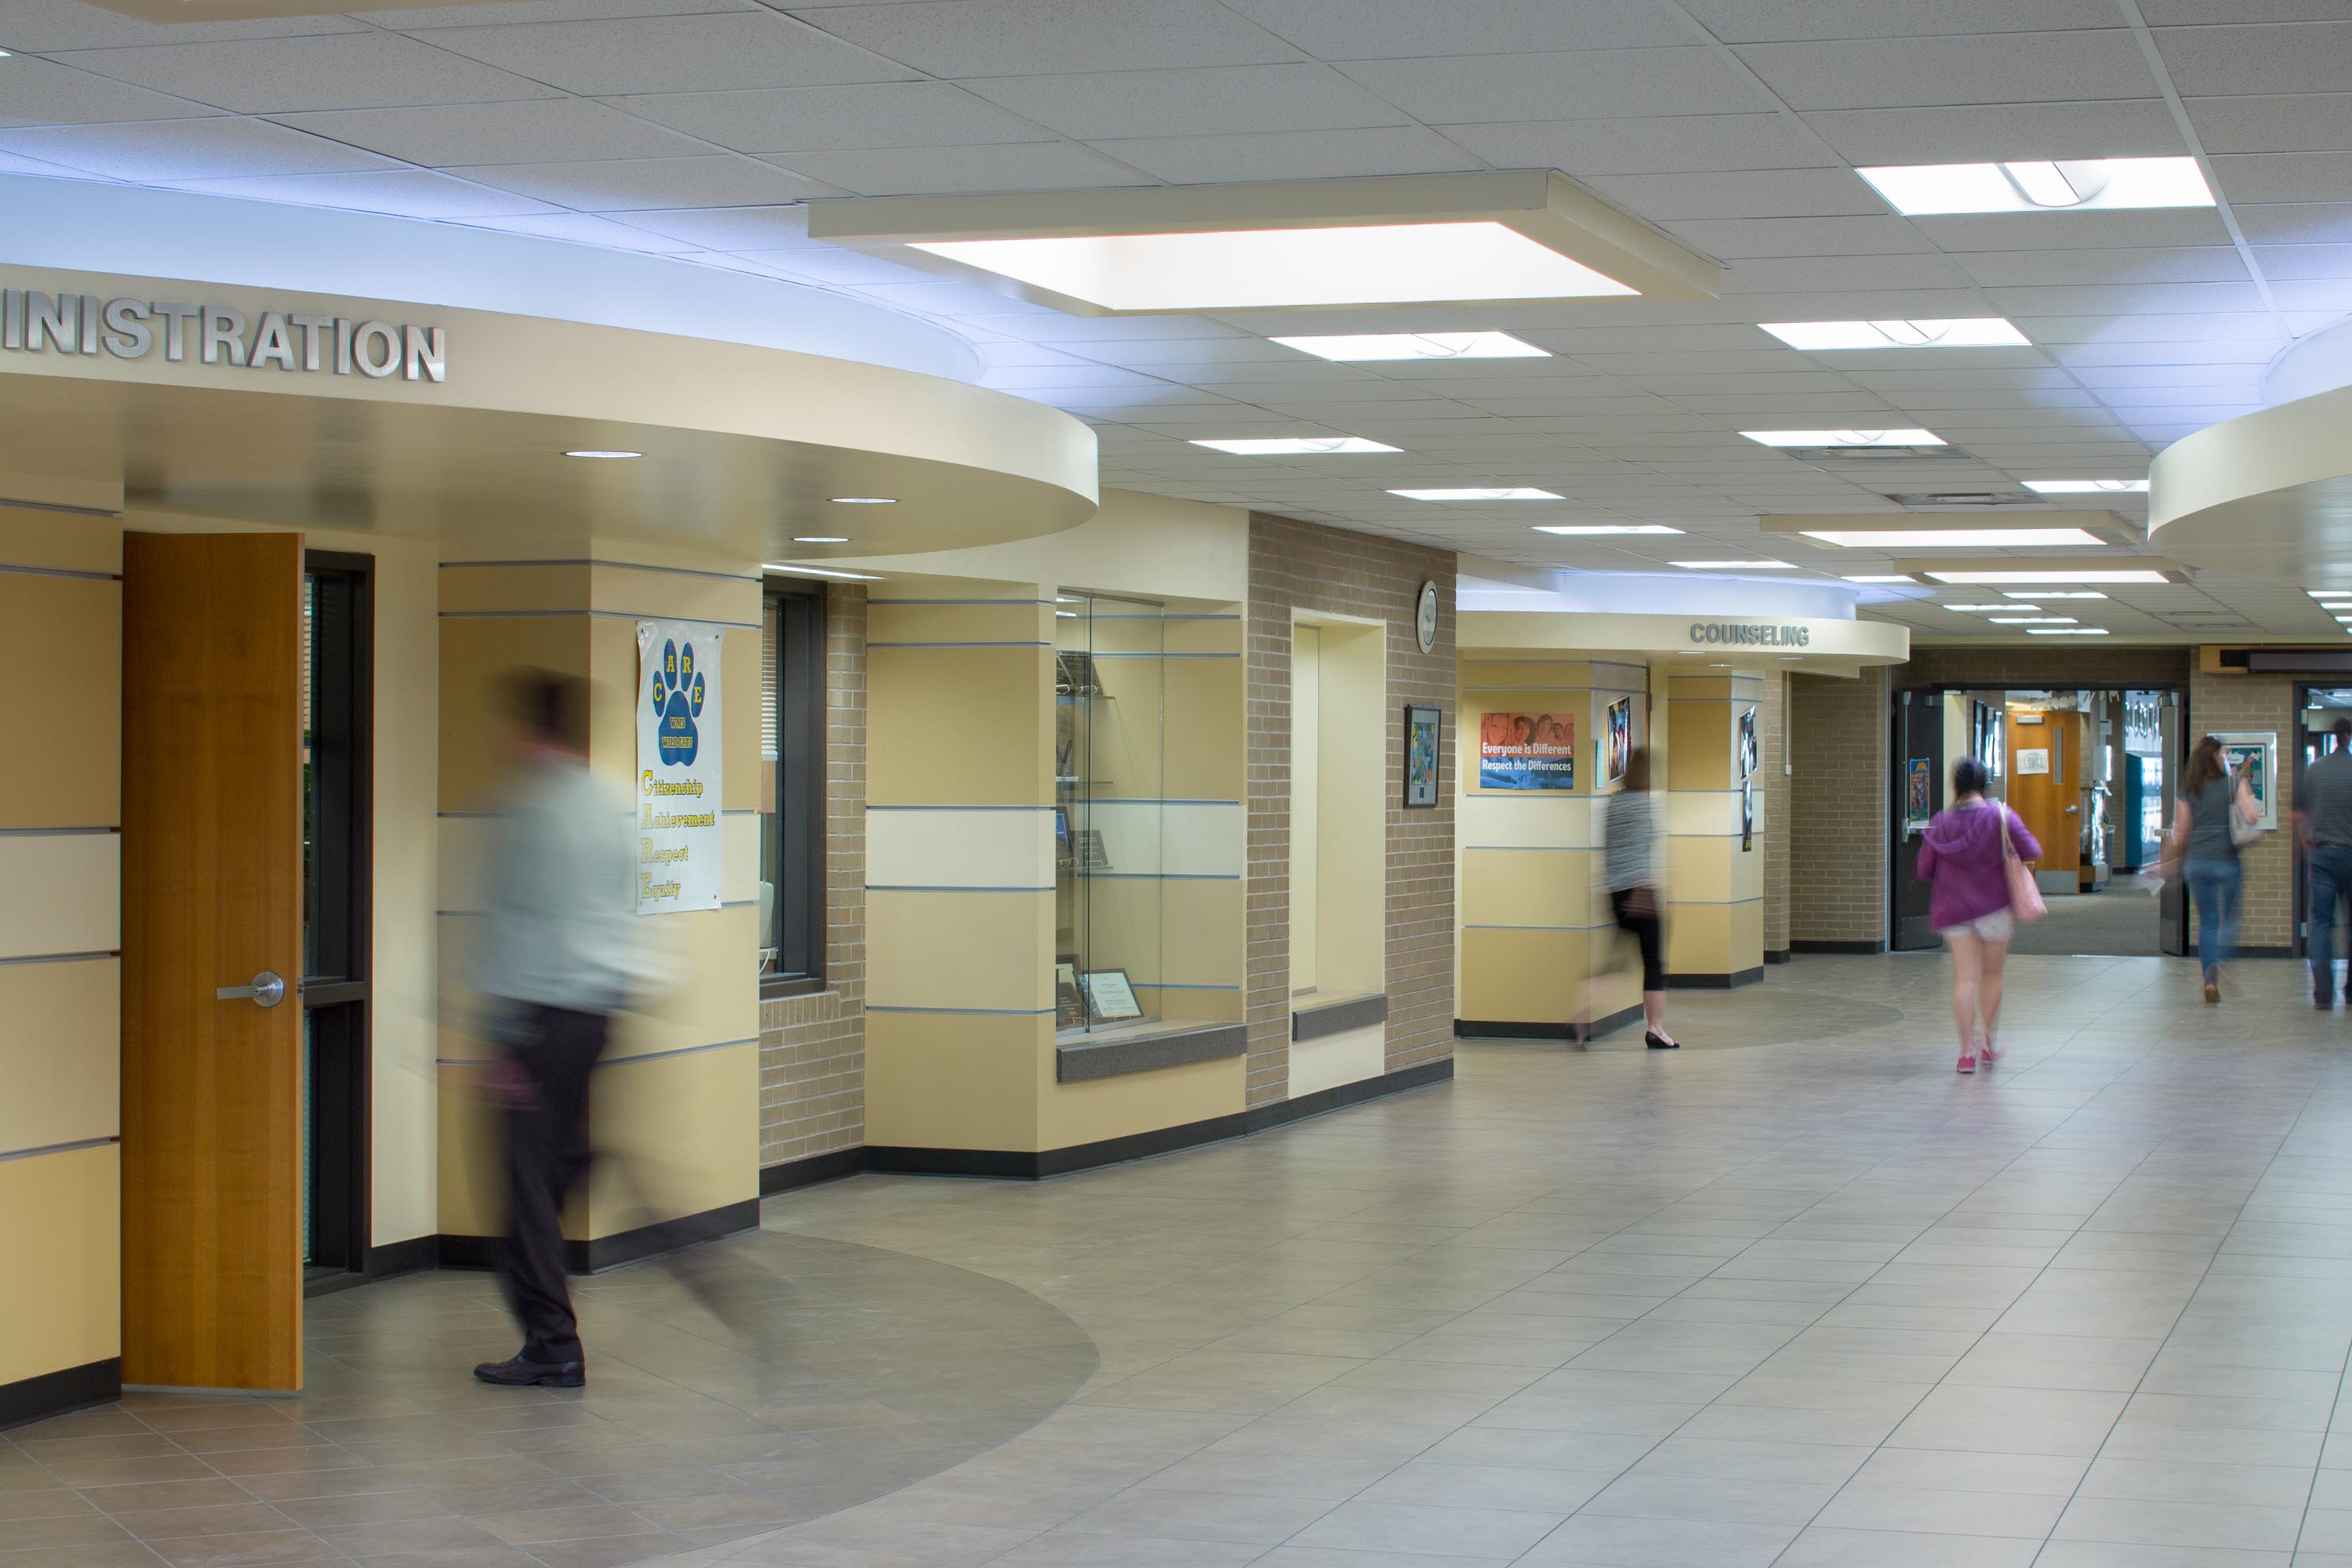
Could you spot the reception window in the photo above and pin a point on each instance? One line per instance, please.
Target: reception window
(791, 793)
(1108, 775)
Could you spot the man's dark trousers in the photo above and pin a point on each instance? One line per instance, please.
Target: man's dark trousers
(547, 1154)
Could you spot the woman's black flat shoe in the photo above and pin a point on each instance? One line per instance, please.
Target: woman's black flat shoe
(1658, 1042)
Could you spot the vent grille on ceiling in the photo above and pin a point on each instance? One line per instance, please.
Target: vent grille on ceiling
(1871, 454)
(1940, 498)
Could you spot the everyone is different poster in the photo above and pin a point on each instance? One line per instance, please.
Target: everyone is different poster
(680, 782)
(1527, 751)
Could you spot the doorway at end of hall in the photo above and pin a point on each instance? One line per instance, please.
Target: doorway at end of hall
(2089, 771)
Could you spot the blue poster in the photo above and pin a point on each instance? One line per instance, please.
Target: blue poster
(1527, 751)
(1919, 793)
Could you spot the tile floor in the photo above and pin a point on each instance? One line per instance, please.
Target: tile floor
(1816, 1302)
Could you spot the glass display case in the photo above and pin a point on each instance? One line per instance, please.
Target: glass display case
(1108, 739)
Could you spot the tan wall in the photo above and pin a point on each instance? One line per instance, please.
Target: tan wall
(60, 1045)
(1714, 872)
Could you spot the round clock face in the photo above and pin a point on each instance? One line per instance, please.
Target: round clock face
(1426, 620)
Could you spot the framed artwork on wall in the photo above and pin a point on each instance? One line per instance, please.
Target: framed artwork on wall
(1421, 750)
(1748, 755)
(1527, 751)
(2252, 756)
(1617, 741)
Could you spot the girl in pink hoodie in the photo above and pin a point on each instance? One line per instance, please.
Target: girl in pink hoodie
(1962, 854)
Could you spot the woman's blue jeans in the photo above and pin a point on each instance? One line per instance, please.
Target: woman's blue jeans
(2215, 885)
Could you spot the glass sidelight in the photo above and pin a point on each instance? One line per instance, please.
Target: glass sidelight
(1108, 810)
(337, 637)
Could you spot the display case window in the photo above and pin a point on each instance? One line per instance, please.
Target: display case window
(1107, 777)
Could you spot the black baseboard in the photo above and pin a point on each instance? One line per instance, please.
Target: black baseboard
(56, 1393)
(1857, 947)
(609, 1251)
(2256, 952)
(1778, 955)
(1025, 1165)
(808, 1172)
(1498, 1029)
(393, 1258)
(1731, 981)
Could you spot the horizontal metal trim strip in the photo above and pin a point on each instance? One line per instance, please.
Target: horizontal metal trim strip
(55, 832)
(15, 570)
(1481, 686)
(1103, 656)
(947, 645)
(60, 957)
(872, 603)
(36, 1152)
(1205, 616)
(1147, 800)
(942, 887)
(594, 615)
(1164, 875)
(969, 1012)
(620, 566)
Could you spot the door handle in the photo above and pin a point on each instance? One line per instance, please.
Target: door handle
(266, 990)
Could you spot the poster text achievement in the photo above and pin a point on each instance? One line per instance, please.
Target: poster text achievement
(679, 761)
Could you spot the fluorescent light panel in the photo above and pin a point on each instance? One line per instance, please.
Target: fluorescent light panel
(2034, 620)
(2079, 184)
(1970, 576)
(1360, 347)
(1913, 437)
(1736, 565)
(818, 571)
(1951, 538)
(1991, 608)
(1898, 577)
(1579, 530)
(1959, 332)
(2085, 487)
(1253, 268)
(1513, 493)
(2047, 594)
(2066, 631)
(1295, 446)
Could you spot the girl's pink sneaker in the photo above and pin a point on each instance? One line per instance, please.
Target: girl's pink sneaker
(1969, 1063)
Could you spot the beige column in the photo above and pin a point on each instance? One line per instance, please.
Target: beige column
(1715, 810)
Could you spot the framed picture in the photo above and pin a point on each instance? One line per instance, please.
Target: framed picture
(1527, 751)
(1747, 815)
(1087, 851)
(1617, 741)
(2253, 757)
(1748, 755)
(1420, 752)
(1109, 997)
(1918, 793)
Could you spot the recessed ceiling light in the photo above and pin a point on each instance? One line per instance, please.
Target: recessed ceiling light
(1961, 333)
(2032, 620)
(1577, 530)
(1845, 438)
(865, 501)
(1366, 346)
(818, 571)
(1989, 607)
(2329, 593)
(1286, 446)
(2047, 594)
(600, 452)
(1994, 578)
(1736, 565)
(2344, 618)
(2066, 631)
(1951, 538)
(819, 539)
(1515, 493)
(2086, 486)
(1898, 578)
(2040, 185)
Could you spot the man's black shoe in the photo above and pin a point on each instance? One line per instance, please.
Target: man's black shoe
(516, 1373)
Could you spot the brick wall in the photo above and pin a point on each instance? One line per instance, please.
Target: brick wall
(2044, 666)
(1305, 566)
(2255, 702)
(1837, 737)
(813, 1048)
(1771, 752)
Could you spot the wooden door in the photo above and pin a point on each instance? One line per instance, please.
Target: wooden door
(2048, 802)
(211, 835)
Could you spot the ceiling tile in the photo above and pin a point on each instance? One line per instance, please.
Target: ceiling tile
(44, 26)
(1406, 29)
(2306, 57)
(2074, 231)
(425, 19)
(1995, 68)
(39, 92)
(1291, 156)
(2199, 264)
(1601, 84)
(1776, 192)
(1805, 274)
(835, 118)
(942, 171)
(2296, 222)
(403, 193)
(1040, 38)
(670, 54)
(331, 70)
(728, 229)
(552, 130)
(1690, 142)
(2172, 13)
(582, 229)
(2285, 177)
(1738, 238)
(1969, 134)
(1762, 21)
(2279, 261)
(2286, 122)
(639, 183)
(1219, 101)
(160, 149)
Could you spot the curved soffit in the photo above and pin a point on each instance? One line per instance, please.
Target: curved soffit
(2268, 494)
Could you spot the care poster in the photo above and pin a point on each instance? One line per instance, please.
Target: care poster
(679, 758)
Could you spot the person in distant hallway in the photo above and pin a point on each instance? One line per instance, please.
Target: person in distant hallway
(558, 958)
(1963, 852)
(2205, 853)
(1629, 849)
(2323, 823)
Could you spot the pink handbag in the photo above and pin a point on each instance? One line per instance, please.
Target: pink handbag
(2024, 896)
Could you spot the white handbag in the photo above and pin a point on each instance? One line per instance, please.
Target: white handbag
(2242, 832)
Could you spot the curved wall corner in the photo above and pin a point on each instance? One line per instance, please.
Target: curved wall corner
(2268, 494)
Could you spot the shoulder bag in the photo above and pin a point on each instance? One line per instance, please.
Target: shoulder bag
(2241, 831)
(2024, 896)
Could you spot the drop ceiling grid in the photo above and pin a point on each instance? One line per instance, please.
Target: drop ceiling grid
(692, 127)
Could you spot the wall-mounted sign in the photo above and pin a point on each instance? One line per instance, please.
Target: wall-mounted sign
(2251, 756)
(1421, 750)
(2033, 760)
(680, 783)
(32, 321)
(1618, 741)
(1918, 793)
(1751, 633)
(1527, 751)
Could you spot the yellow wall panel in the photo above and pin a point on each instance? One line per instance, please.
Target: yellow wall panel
(1016, 621)
(64, 893)
(59, 542)
(959, 726)
(739, 671)
(936, 1080)
(61, 1053)
(709, 960)
(1700, 939)
(675, 1135)
(61, 640)
(1702, 751)
(1527, 887)
(61, 1230)
(1184, 1005)
(547, 586)
(470, 1183)
(959, 950)
(477, 654)
(1698, 870)
(1201, 932)
(1534, 976)
(1206, 710)
(1207, 633)
(1076, 1113)
(637, 593)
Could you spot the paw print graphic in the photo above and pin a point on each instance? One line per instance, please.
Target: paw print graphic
(677, 703)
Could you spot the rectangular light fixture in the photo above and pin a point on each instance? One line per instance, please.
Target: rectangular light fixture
(1518, 493)
(1896, 577)
(819, 572)
(1914, 437)
(1990, 607)
(1581, 530)
(2329, 593)
(1364, 347)
(1465, 239)
(1295, 446)
(1736, 565)
(1994, 577)
(2066, 631)
(2032, 620)
(1959, 332)
(2046, 594)
(2041, 184)
(1951, 538)
(2086, 486)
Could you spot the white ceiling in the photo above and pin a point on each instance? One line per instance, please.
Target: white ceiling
(692, 127)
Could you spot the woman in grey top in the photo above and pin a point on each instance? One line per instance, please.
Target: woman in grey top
(2205, 853)
(1629, 840)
